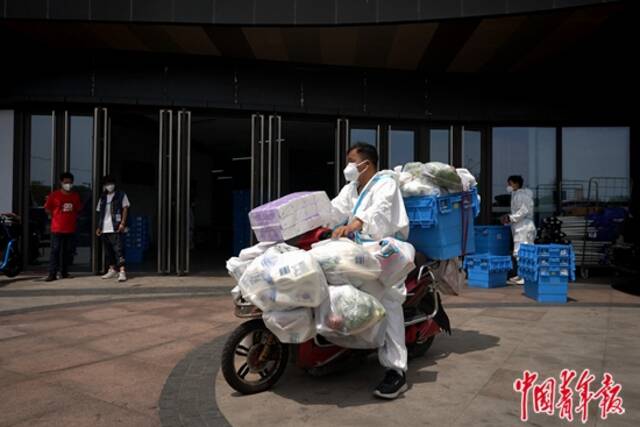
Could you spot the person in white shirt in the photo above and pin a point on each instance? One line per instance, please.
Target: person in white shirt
(371, 206)
(113, 209)
(521, 218)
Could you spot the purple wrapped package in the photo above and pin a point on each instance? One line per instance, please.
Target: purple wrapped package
(290, 216)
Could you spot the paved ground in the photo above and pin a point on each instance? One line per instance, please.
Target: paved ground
(85, 352)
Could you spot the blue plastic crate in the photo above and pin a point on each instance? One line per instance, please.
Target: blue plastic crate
(421, 210)
(540, 293)
(477, 278)
(493, 239)
(551, 250)
(488, 262)
(444, 239)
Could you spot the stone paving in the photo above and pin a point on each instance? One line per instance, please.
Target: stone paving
(97, 356)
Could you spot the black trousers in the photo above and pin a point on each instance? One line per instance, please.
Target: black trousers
(112, 243)
(62, 245)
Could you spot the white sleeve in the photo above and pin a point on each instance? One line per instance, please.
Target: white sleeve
(378, 217)
(341, 207)
(125, 201)
(523, 206)
(98, 207)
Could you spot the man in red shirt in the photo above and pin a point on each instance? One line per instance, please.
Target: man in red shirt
(63, 205)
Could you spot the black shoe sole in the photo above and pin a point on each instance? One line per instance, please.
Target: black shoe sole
(391, 396)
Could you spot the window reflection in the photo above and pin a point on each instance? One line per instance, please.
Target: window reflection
(599, 155)
(531, 153)
(439, 145)
(81, 166)
(368, 136)
(40, 185)
(472, 152)
(401, 147)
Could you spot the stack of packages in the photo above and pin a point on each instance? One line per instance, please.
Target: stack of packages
(290, 216)
(550, 231)
(332, 290)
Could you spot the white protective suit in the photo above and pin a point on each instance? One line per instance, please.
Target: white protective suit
(522, 226)
(381, 209)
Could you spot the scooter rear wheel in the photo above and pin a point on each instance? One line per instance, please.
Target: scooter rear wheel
(419, 350)
(253, 359)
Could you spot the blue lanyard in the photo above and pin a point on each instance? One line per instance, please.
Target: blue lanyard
(365, 191)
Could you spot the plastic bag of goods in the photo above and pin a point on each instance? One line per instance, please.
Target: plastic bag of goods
(395, 257)
(468, 180)
(418, 188)
(347, 311)
(291, 326)
(443, 175)
(372, 337)
(238, 264)
(344, 261)
(290, 216)
(284, 280)
(413, 168)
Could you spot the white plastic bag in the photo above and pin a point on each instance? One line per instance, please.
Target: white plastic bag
(292, 326)
(347, 311)
(255, 251)
(344, 261)
(468, 180)
(237, 265)
(395, 257)
(367, 339)
(443, 175)
(413, 168)
(284, 280)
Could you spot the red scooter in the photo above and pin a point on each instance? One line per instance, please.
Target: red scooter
(253, 359)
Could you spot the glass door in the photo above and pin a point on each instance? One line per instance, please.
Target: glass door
(126, 146)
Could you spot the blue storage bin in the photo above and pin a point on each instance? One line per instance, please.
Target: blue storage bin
(477, 278)
(546, 294)
(488, 262)
(421, 210)
(444, 238)
(493, 239)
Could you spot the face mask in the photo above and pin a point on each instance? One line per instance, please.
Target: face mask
(351, 172)
(509, 189)
(109, 188)
(67, 186)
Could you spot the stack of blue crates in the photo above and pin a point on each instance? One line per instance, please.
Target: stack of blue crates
(493, 239)
(436, 223)
(136, 239)
(547, 270)
(241, 227)
(487, 271)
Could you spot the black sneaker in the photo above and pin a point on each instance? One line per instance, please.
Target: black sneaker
(50, 278)
(392, 385)
(66, 276)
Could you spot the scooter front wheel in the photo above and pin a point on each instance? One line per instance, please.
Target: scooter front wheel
(253, 359)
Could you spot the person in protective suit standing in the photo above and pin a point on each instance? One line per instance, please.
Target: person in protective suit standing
(371, 206)
(523, 228)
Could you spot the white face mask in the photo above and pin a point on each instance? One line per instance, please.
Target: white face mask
(109, 188)
(509, 189)
(67, 186)
(351, 172)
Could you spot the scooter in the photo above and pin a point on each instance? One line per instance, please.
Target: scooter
(10, 258)
(253, 359)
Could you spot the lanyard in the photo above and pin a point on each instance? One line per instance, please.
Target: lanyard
(365, 191)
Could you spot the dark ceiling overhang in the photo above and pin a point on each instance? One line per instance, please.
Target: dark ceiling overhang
(275, 12)
(573, 38)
